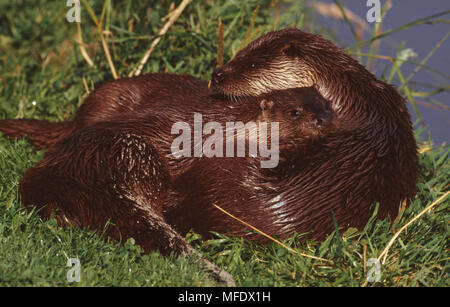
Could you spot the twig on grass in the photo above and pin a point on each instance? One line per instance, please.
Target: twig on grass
(173, 17)
(270, 237)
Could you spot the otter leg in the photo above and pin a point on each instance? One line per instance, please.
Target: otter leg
(108, 177)
(97, 177)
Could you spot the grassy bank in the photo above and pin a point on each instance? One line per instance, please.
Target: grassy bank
(46, 72)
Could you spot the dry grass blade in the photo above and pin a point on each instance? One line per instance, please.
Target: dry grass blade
(108, 56)
(384, 253)
(86, 87)
(220, 49)
(82, 47)
(357, 24)
(102, 37)
(173, 17)
(376, 56)
(270, 237)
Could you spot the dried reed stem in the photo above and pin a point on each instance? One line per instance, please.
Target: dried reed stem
(173, 17)
(270, 237)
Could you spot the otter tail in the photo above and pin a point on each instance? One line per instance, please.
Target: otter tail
(41, 133)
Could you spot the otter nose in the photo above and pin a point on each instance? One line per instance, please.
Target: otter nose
(217, 76)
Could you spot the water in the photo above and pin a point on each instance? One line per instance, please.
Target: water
(422, 39)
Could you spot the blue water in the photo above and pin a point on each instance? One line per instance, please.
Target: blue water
(422, 39)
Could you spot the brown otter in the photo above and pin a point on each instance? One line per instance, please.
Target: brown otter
(166, 92)
(291, 197)
(376, 142)
(123, 170)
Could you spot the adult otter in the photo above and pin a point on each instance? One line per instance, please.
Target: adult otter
(114, 99)
(376, 145)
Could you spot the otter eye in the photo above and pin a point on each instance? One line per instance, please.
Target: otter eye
(294, 113)
(252, 65)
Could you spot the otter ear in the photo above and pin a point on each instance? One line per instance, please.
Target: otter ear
(289, 50)
(323, 119)
(266, 105)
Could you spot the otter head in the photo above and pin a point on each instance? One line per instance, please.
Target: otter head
(278, 60)
(302, 113)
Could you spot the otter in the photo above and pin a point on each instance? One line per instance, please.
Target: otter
(280, 201)
(123, 170)
(376, 142)
(114, 99)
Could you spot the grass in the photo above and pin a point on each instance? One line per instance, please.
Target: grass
(41, 62)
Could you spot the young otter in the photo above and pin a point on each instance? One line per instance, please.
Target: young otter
(292, 197)
(376, 142)
(123, 170)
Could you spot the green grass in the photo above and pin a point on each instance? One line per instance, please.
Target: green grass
(40, 61)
